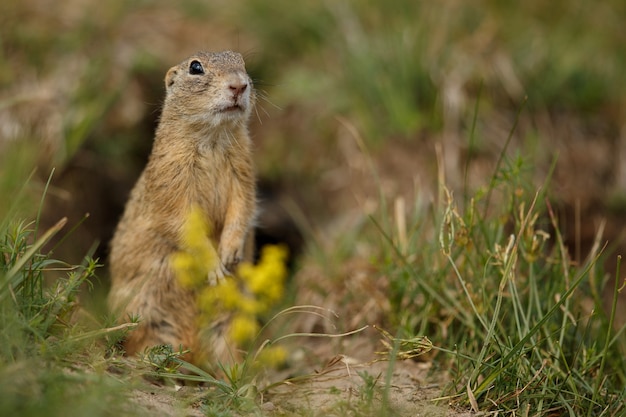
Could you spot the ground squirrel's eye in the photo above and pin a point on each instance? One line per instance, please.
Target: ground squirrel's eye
(195, 68)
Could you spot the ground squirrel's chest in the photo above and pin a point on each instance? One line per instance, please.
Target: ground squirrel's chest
(214, 180)
(173, 183)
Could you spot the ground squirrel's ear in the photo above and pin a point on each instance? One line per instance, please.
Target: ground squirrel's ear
(169, 77)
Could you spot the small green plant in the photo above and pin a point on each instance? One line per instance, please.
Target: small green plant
(44, 354)
(369, 388)
(46, 310)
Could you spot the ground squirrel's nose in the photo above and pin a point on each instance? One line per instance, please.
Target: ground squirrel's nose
(237, 88)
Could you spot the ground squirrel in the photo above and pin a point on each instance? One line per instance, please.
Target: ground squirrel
(201, 157)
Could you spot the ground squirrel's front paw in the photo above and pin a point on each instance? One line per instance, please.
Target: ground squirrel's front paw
(230, 259)
(218, 274)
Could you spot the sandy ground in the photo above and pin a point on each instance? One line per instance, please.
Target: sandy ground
(338, 392)
(339, 385)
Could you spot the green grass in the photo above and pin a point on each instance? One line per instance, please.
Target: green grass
(522, 326)
(48, 364)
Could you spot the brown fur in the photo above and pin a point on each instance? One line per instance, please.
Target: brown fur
(201, 156)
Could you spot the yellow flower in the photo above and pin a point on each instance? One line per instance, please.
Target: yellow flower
(208, 302)
(228, 294)
(259, 288)
(182, 263)
(243, 329)
(197, 256)
(266, 280)
(272, 356)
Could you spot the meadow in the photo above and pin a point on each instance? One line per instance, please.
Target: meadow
(448, 178)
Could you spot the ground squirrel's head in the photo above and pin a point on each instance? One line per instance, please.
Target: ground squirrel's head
(210, 88)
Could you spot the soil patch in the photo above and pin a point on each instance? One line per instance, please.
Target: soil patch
(320, 384)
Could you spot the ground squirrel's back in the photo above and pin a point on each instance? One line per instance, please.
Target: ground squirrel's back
(201, 157)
